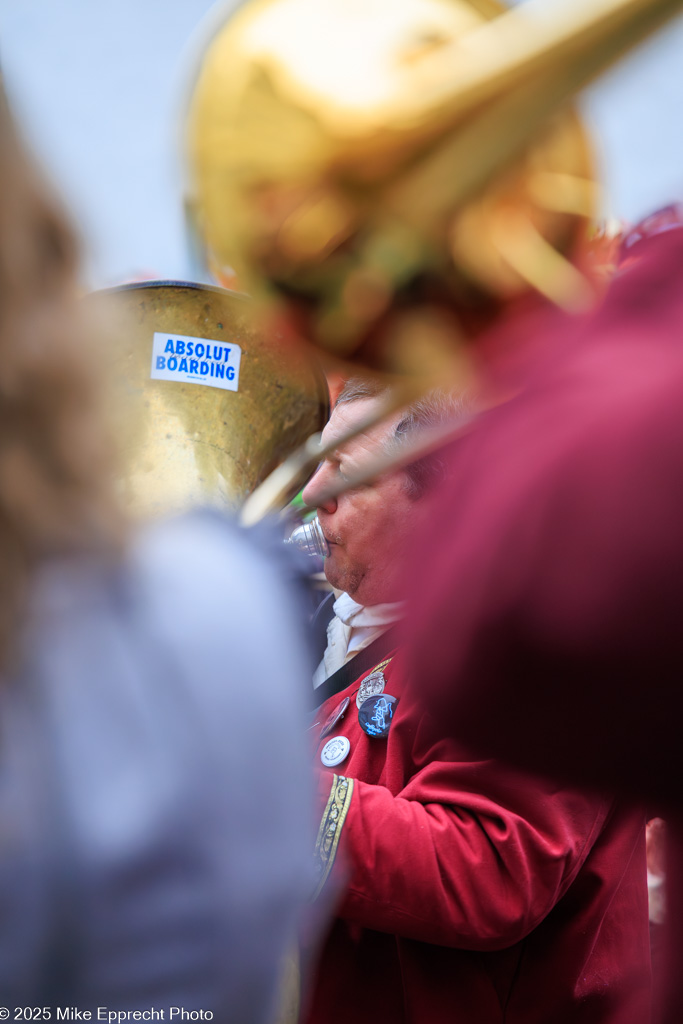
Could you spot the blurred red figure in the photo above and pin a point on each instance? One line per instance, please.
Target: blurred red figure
(548, 591)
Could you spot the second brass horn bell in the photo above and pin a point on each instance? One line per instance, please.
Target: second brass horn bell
(328, 174)
(205, 405)
(384, 170)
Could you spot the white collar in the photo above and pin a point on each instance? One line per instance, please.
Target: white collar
(353, 614)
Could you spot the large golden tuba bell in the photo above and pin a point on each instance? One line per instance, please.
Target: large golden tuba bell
(205, 405)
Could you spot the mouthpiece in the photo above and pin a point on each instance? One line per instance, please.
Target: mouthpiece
(310, 539)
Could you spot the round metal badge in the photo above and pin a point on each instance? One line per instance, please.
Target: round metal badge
(338, 713)
(376, 715)
(334, 751)
(372, 684)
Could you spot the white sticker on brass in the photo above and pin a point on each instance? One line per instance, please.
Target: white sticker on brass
(196, 361)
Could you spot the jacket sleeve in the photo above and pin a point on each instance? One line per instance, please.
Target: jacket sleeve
(470, 855)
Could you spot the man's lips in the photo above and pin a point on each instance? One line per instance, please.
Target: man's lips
(332, 541)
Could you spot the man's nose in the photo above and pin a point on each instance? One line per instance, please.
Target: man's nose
(313, 493)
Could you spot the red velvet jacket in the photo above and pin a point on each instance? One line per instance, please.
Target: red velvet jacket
(475, 892)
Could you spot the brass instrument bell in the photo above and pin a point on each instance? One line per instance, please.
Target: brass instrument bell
(385, 174)
(204, 404)
(320, 173)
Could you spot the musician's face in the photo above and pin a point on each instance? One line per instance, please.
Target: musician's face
(368, 528)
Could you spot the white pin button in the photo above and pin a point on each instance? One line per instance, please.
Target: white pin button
(334, 751)
(370, 687)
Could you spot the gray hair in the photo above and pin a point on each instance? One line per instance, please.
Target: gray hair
(434, 409)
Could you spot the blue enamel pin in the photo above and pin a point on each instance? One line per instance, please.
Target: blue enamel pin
(376, 714)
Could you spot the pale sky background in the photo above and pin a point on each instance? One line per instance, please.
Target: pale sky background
(98, 85)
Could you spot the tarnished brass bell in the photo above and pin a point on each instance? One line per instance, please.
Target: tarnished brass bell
(204, 404)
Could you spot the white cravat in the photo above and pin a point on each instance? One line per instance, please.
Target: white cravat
(353, 627)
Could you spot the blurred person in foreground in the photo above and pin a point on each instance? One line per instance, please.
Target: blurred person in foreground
(547, 620)
(154, 812)
(471, 892)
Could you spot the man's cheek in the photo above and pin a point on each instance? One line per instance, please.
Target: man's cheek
(337, 555)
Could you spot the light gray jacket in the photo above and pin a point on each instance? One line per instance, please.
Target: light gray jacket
(155, 830)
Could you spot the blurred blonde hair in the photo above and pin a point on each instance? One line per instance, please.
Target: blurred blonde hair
(56, 494)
